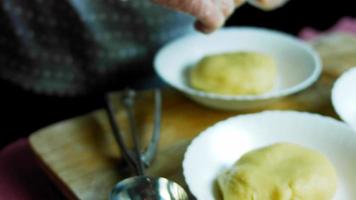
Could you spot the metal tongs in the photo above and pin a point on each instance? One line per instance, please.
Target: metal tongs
(141, 186)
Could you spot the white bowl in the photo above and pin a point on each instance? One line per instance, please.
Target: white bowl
(219, 146)
(299, 65)
(344, 97)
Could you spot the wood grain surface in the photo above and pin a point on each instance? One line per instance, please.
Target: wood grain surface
(82, 158)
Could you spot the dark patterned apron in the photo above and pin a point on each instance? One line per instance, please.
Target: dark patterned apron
(75, 47)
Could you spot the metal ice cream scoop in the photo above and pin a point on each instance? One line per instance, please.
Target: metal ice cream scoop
(141, 187)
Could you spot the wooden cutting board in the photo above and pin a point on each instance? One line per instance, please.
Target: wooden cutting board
(80, 154)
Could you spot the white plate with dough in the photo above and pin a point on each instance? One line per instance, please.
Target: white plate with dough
(298, 64)
(344, 97)
(219, 146)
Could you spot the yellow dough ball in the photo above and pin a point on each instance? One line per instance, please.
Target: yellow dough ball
(236, 73)
(281, 171)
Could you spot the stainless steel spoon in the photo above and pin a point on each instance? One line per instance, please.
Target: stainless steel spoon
(141, 187)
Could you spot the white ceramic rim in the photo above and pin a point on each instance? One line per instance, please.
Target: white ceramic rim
(313, 77)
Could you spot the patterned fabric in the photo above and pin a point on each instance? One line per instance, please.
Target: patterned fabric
(74, 47)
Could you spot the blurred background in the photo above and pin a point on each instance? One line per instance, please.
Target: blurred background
(32, 97)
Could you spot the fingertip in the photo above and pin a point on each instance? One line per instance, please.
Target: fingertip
(267, 5)
(202, 27)
(207, 28)
(210, 21)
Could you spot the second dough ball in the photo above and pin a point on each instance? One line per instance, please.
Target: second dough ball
(279, 172)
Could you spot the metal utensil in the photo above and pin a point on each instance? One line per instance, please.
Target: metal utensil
(141, 187)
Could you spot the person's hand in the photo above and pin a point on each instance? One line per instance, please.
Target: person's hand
(211, 14)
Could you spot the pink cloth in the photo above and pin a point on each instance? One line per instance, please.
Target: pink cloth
(21, 178)
(346, 25)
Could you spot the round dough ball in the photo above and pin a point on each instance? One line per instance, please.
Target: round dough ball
(237, 73)
(281, 171)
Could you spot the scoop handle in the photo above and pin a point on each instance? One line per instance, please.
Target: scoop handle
(117, 134)
(128, 100)
(148, 155)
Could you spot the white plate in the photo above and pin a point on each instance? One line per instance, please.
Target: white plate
(344, 97)
(298, 64)
(219, 146)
